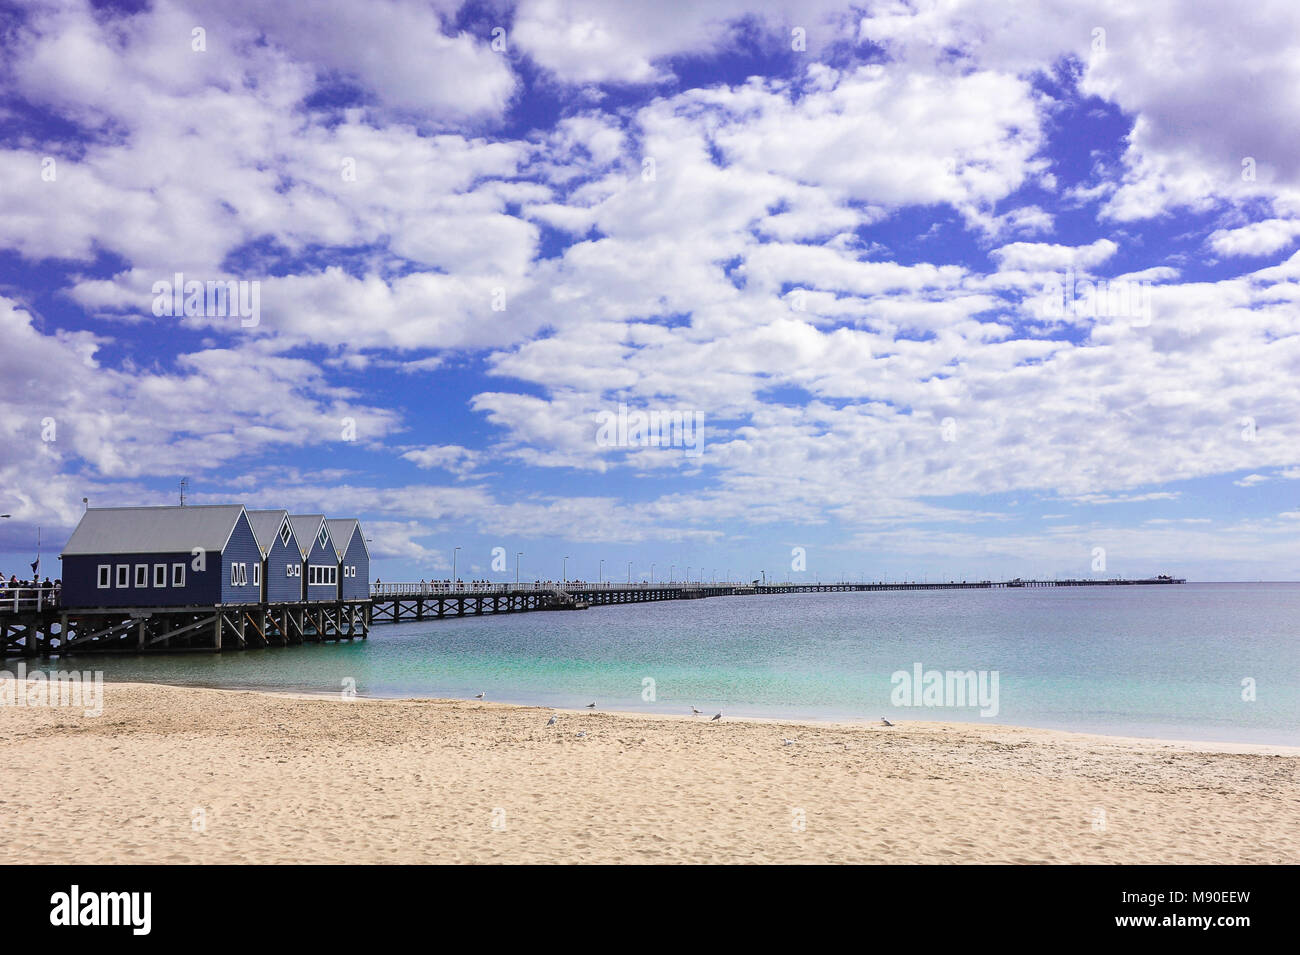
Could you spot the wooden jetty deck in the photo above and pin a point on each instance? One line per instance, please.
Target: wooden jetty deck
(32, 626)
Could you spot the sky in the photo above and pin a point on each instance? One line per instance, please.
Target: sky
(930, 290)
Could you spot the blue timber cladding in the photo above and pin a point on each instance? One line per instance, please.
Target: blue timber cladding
(81, 577)
(281, 556)
(283, 562)
(355, 587)
(241, 550)
(320, 555)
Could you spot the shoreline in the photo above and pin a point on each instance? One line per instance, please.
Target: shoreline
(1197, 745)
(189, 775)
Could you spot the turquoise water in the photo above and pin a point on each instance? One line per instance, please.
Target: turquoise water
(1145, 661)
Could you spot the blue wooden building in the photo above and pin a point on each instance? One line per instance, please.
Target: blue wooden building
(320, 564)
(354, 557)
(162, 557)
(281, 576)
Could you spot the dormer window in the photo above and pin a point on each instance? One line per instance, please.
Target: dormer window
(284, 533)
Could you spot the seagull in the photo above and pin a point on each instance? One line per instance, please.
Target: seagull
(551, 721)
(716, 718)
(582, 734)
(695, 711)
(480, 696)
(885, 722)
(591, 706)
(787, 742)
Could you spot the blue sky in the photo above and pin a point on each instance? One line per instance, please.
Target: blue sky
(828, 233)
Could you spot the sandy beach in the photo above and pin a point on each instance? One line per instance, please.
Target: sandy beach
(183, 775)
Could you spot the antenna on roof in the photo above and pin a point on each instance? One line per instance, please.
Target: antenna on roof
(185, 483)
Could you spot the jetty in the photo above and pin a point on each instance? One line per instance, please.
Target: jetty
(405, 602)
(37, 622)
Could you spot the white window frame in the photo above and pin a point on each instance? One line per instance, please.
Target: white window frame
(324, 536)
(159, 576)
(123, 575)
(142, 576)
(104, 576)
(234, 574)
(178, 575)
(257, 573)
(285, 533)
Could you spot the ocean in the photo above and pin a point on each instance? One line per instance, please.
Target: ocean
(1213, 662)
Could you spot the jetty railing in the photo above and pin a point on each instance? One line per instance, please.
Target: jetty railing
(20, 599)
(439, 587)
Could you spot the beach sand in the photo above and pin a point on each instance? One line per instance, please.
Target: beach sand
(184, 775)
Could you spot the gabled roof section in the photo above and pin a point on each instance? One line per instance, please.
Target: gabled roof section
(306, 528)
(266, 527)
(153, 530)
(341, 531)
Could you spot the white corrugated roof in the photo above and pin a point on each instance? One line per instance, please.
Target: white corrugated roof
(149, 530)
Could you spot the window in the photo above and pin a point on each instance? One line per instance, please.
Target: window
(105, 576)
(234, 575)
(284, 533)
(142, 575)
(160, 575)
(323, 536)
(288, 570)
(257, 574)
(178, 575)
(243, 575)
(123, 575)
(322, 576)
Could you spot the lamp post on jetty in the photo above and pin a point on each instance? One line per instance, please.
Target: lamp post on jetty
(652, 573)
(518, 554)
(672, 573)
(600, 574)
(453, 567)
(564, 570)
(629, 573)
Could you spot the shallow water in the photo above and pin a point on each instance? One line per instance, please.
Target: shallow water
(1144, 661)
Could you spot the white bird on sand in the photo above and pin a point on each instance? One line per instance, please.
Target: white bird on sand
(551, 721)
(695, 711)
(480, 696)
(591, 706)
(716, 717)
(787, 742)
(581, 735)
(885, 722)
